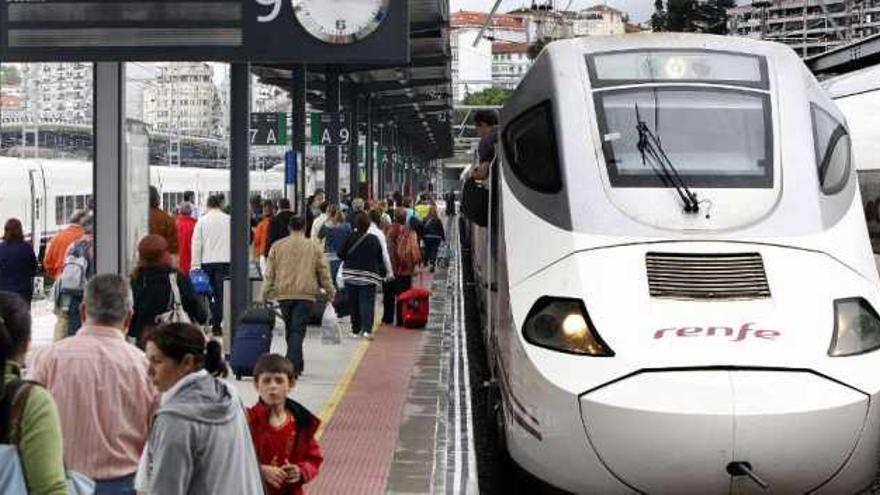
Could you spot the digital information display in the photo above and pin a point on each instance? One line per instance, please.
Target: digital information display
(192, 30)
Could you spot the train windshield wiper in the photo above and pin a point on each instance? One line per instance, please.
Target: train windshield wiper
(652, 154)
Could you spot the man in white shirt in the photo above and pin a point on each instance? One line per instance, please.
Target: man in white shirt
(211, 252)
(319, 222)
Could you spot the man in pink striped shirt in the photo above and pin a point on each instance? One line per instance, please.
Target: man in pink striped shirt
(100, 383)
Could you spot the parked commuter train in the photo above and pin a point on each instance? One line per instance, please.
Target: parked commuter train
(44, 193)
(675, 276)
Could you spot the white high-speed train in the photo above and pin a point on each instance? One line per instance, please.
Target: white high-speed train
(676, 279)
(858, 96)
(43, 193)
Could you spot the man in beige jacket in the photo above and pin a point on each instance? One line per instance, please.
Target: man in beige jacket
(295, 269)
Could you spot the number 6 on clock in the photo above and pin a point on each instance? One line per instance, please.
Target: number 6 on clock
(271, 16)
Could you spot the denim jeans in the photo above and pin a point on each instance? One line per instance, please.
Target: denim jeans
(296, 313)
(362, 299)
(74, 319)
(115, 486)
(217, 272)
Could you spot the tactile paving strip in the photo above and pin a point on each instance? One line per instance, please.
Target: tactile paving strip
(359, 441)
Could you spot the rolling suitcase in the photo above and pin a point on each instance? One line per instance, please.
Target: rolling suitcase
(414, 306)
(253, 338)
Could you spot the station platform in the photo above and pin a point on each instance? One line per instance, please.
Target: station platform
(386, 404)
(395, 411)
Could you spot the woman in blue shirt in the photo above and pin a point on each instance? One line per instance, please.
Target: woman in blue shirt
(18, 264)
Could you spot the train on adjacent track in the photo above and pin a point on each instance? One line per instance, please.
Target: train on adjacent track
(675, 278)
(44, 193)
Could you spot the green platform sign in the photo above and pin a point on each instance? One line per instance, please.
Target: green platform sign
(268, 129)
(331, 129)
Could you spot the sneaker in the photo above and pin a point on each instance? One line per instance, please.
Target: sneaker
(354, 335)
(368, 336)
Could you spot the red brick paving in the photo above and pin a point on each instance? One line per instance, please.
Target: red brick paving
(359, 441)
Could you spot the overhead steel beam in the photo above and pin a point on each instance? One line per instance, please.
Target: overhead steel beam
(379, 86)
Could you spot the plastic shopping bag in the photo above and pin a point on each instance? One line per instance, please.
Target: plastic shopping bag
(330, 333)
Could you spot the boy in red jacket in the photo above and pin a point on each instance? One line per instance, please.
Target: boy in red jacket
(283, 430)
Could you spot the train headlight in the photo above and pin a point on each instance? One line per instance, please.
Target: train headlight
(856, 328)
(563, 325)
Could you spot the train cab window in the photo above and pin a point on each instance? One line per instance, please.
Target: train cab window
(531, 149)
(832, 146)
(715, 137)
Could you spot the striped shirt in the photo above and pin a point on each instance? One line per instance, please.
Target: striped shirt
(105, 400)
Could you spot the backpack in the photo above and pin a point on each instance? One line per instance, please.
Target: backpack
(407, 249)
(175, 313)
(75, 272)
(14, 399)
(11, 472)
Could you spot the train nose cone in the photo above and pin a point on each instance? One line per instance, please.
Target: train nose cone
(679, 431)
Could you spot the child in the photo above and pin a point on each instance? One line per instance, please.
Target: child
(282, 429)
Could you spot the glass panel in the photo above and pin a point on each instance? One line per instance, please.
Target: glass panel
(46, 166)
(705, 66)
(530, 142)
(715, 138)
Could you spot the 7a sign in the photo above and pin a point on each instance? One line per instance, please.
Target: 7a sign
(331, 129)
(268, 129)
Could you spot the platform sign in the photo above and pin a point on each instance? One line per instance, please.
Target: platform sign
(201, 30)
(268, 129)
(331, 129)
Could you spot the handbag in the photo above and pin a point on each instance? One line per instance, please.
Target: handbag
(475, 202)
(201, 282)
(175, 313)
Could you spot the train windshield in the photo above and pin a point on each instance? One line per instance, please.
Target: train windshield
(715, 137)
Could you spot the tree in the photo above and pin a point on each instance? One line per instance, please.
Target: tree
(714, 15)
(682, 15)
(706, 16)
(658, 19)
(488, 96)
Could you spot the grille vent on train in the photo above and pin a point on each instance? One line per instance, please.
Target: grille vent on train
(707, 276)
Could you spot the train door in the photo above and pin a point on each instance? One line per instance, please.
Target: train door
(36, 212)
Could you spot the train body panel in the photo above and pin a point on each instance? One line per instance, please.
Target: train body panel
(641, 346)
(44, 193)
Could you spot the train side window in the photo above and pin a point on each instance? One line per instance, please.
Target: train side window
(832, 147)
(69, 206)
(59, 211)
(531, 150)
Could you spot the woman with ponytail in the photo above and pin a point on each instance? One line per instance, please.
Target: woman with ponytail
(200, 442)
(28, 415)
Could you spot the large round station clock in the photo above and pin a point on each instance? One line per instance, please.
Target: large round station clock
(340, 21)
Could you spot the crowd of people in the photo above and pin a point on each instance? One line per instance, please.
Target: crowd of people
(132, 393)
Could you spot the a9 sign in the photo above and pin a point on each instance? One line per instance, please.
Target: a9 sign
(273, 14)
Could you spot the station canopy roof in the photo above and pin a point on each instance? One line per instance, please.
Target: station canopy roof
(415, 98)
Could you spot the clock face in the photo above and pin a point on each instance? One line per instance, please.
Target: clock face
(340, 21)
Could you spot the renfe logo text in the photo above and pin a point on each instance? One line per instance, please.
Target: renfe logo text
(746, 330)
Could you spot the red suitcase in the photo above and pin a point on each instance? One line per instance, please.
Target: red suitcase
(414, 307)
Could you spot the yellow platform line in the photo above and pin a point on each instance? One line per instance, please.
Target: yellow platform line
(342, 386)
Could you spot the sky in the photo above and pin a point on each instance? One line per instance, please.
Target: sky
(638, 10)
